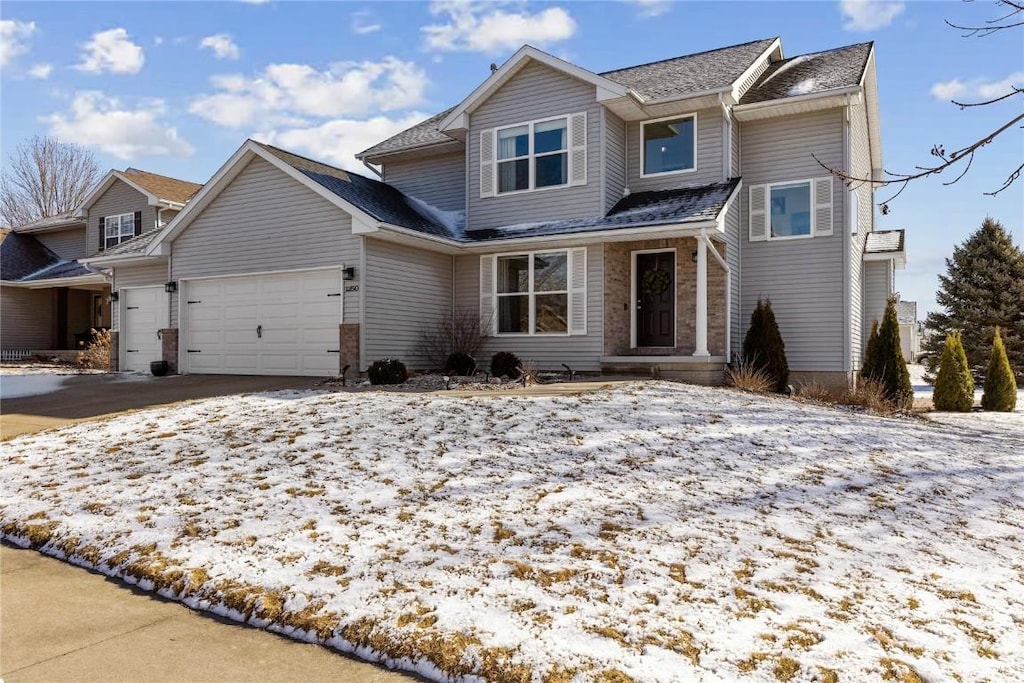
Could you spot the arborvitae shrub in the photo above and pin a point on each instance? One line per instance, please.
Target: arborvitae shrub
(1000, 386)
(954, 386)
(763, 348)
(884, 361)
(461, 364)
(505, 364)
(387, 371)
(867, 367)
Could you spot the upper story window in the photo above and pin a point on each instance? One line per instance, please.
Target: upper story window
(669, 145)
(536, 155)
(117, 229)
(791, 210)
(794, 209)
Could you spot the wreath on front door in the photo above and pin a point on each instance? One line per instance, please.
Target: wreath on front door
(655, 282)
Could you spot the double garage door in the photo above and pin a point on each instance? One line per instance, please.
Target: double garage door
(276, 324)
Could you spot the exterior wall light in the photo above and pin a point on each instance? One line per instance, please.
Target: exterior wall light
(348, 273)
(114, 296)
(171, 287)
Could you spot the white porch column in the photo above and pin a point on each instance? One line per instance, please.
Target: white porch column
(702, 297)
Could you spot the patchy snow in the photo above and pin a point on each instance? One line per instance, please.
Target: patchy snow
(1012, 422)
(453, 221)
(804, 87)
(15, 386)
(657, 530)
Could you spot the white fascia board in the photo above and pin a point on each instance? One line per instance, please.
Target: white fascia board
(869, 83)
(898, 257)
(775, 46)
(457, 119)
(107, 261)
(746, 112)
(96, 279)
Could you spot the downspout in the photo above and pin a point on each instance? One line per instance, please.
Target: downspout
(847, 238)
(726, 139)
(728, 294)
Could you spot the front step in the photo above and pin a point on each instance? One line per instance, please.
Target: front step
(708, 371)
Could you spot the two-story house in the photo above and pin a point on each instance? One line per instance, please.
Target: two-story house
(627, 220)
(49, 297)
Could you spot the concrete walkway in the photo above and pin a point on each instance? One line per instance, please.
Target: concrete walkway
(59, 622)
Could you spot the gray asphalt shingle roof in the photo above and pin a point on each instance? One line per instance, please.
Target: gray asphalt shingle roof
(23, 258)
(809, 74)
(423, 133)
(884, 242)
(63, 220)
(134, 246)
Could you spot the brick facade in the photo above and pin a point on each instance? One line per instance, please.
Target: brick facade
(169, 344)
(618, 265)
(115, 358)
(349, 345)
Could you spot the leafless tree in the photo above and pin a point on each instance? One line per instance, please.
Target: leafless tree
(45, 177)
(1011, 17)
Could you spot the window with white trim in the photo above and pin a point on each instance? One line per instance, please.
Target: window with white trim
(117, 229)
(533, 155)
(532, 292)
(790, 214)
(792, 209)
(669, 145)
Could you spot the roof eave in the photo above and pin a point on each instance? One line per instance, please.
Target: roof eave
(375, 157)
(745, 112)
(121, 259)
(93, 279)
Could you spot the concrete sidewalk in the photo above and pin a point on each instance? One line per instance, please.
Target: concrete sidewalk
(59, 622)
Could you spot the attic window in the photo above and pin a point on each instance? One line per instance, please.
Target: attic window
(668, 145)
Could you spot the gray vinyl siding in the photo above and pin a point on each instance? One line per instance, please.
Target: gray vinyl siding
(581, 352)
(803, 277)
(118, 199)
(878, 277)
(708, 156)
(266, 221)
(733, 246)
(407, 290)
(26, 318)
(143, 275)
(860, 166)
(615, 159)
(536, 92)
(437, 180)
(68, 244)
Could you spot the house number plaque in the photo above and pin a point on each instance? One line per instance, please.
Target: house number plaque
(351, 288)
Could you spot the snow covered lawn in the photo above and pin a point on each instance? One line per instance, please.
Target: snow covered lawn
(653, 532)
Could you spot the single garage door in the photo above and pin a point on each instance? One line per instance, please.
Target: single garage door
(275, 324)
(145, 314)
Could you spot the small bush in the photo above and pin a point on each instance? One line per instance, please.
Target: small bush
(748, 377)
(387, 371)
(867, 367)
(883, 360)
(461, 364)
(763, 347)
(505, 364)
(870, 394)
(1000, 386)
(96, 356)
(459, 332)
(816, 391)
(954, 385)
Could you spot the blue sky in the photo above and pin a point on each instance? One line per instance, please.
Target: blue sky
(176, 87)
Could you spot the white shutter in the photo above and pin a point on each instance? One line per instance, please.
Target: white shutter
(822, 206)
(487, 170)
(578, 291)
(578, 149)
(488, 316)
(758, 217)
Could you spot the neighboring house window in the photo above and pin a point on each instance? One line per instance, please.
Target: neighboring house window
(537, 155)
(791, 210)
(118, 229)
(535, 293)
(669, 145)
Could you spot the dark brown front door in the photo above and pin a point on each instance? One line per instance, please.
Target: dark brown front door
(655, 299)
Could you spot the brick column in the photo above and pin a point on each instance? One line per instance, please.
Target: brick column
(169, 344)
(349, 345)
(114, 364)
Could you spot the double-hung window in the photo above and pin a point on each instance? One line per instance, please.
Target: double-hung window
(117, 229)
(669, 145)
(791, 210)
(533, 155)
(533, 293)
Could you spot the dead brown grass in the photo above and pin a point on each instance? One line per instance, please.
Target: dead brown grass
(748, 377)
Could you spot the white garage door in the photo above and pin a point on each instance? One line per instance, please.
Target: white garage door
(145, 313)
(278, 324)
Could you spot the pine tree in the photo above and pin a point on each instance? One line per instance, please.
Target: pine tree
(954, 386)
(763, 347)
(982, 288)
(1000, 388)
(883, 361)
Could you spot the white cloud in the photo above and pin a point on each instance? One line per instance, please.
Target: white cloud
(363, 23)
(96, 120)
(338, 141)
(868, 15)
(111, 51)
(14, 37)
(977, 89)
(222, 45)
(487, 27)
(41, 71)
(652, 8)
(286, 94)
(158, 40)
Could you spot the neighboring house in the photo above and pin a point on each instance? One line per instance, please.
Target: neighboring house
(910, 330)
(51, 297)
(628, 220)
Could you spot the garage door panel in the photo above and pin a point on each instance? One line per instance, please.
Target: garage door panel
(298, 322)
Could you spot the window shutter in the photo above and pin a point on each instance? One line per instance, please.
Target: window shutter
(488, 317)
(138, 223)
(103, 233)
(578, 149)
(758, 217)
(487, 170)
(578, 291)
(823, 206)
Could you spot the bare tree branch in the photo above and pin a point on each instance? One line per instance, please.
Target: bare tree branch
(1015, 91)
(45, 177)
(994, 25)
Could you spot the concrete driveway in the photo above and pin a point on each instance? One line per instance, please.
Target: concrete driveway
(42, 401)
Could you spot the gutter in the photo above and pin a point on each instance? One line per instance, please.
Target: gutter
(95, 279)
(769, 104)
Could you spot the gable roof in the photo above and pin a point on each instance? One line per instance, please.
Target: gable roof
(698, 72)
(158, 189)
(421, 135)
(60, 221)
(23, 258)
(811, 74)
(884, 242)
